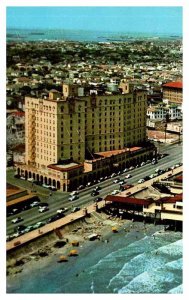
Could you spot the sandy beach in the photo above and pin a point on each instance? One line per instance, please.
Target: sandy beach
(79, 268)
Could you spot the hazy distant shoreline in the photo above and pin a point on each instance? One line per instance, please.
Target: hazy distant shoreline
(82, 35)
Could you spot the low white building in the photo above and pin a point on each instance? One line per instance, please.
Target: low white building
(159, 112)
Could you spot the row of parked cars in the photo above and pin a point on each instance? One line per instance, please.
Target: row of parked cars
(21, 229)
(159, 172)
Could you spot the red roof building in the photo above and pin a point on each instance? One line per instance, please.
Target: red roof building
(172, 91)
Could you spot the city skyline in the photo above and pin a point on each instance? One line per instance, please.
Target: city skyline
(113, 19)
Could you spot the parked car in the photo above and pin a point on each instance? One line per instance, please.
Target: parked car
(131, 168)
(43, 209)
(17, 220)
(142, 164)
(52, 188)
(125, 170)
(112, 175)
(35, 203)
(30, 179)
(74, 209)
(128, 176)
(38, 224)
(141, 180)
(72, 198)
(46, 186)
(115, 192)
(81, 187)
(29, 228)
(23, 178)
(20, 228)
(146, 178)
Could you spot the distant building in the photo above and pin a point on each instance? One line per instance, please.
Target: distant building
(173, 92)
(159, 112)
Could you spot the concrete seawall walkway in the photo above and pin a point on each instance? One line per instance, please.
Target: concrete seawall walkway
(27, 237)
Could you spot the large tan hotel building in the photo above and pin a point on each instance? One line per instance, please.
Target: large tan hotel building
(74, 137)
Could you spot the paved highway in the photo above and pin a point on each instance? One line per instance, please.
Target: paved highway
(60, 199)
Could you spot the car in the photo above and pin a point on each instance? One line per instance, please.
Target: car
(154, 162)
(35, 203)
(97, 188)
(125, 170)
(43, 204)
(52, 188)
(98, 199)
(15, 235)
(30, 179)
(39, 224)
(146, 178)
(177, 165)
(46, 186)
(142, 164)
(151, 176)
(72, 198)
(81, 187)
(29, 228)
(62, 210)
(17, 220)
(131, 168)
(55, 218)
(94, 193)
(128, 176)
(20, 228)
(74, 209)
(13, 211)
(43, 209)
(115, 192)
(116, 180)
(23, 178)
(141, 180)
(122, 181)
(157, 170)
(112, 175)
(74, 193)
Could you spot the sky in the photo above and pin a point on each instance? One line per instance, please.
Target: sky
(150, 19)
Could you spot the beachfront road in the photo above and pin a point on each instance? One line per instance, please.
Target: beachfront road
(60, 199)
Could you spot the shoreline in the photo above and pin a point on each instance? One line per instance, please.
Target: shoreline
(50, 253)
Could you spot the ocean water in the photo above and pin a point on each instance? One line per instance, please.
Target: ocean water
(79, 35)
(131, 263)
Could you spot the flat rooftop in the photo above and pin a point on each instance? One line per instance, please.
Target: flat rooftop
(116, 152)
(65, 167)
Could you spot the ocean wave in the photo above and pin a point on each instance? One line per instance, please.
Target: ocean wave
(172, 249)
(175, 264)
(177, 290)
(139, 264)
(148, 282)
